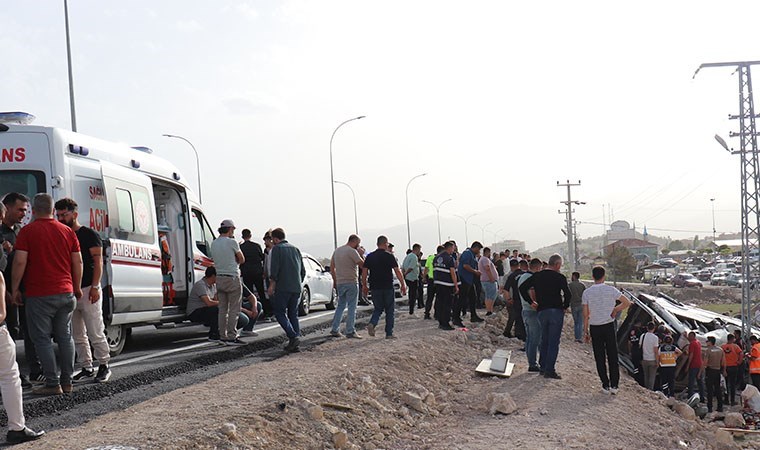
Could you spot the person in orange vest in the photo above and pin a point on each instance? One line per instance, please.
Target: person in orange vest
(754, 361)
(734, 357)
(667, 355)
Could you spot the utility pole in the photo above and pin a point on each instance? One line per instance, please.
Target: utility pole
(573, 263)
(750, 186)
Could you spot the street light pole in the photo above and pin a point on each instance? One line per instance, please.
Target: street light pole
(438, 215)
(71, 76)
(465, 220)
(482, 230)
(408, 228)
(353, 194)
(332, 180)
(197, 162)
(712, 204)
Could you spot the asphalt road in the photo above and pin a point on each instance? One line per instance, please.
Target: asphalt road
(156, 361)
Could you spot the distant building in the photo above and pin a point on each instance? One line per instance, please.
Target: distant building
(635, 247)
(620, 229)
(510, 244)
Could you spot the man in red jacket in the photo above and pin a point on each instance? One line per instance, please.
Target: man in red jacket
(49, 262)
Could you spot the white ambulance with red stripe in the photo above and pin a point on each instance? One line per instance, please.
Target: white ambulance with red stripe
(156, 237)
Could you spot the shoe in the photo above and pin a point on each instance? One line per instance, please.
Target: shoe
(614, 391)
(249, 333)
(476, 319)
(212, 338)
(541, 372)
(552, 375)
(489, 313)
(336, 334)
(48, 390)
(534, 369)
(354, 335)
(446, 327)
(104, 374)
(25, 435)
(580, 341)
(390, 336)
(426, 317)
(522, 349)
(371, 329)
(37, 378)
(234, 342)
(508, 335)
(68, 388)
(25, 383)
(293, 345)
(458, 324)
(606, 391)
(84, 373)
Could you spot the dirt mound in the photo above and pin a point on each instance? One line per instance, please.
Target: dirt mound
(417, 392)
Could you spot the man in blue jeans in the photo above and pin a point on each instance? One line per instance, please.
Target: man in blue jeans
(286, 274)
(530, 320)
(379, 267)
(549, 291)
(343, 268)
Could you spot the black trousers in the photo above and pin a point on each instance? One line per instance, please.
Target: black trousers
(668, 380)
(732, 382)
(420, 293)
(255, 283)
(519, 323)
(510, 320)
(605, 353)
(466, 299)
(755, 377)
(431, 289)
(443, 296)
(412, 289)
(712, 377)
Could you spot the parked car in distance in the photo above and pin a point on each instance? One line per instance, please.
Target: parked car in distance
(666, 262)
(686, 280)
(705, 274)
(734, 280)
(317, 286)
(718, 279)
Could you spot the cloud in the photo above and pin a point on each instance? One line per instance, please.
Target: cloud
(189, 26)
(243, 9)
(242, 106)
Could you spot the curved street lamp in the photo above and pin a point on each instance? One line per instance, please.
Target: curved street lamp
(482, 230)
(332, 180)
(353, 194)
(408, 228)
(438, 215)
(197, 162)
(465, 220)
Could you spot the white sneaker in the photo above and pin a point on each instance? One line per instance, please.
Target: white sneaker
(606, 391)
(613, 391)
(249, 333)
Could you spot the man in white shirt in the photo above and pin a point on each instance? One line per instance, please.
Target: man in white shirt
(650, 344)
(227, 256)
(600, 305)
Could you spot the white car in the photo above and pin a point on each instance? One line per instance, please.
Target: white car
(317, 286)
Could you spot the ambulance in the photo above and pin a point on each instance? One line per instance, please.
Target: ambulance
(156, 238)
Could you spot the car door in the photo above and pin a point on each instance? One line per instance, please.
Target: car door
(314, 270)
(326, 281)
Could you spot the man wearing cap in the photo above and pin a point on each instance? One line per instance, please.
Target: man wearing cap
(227, 257)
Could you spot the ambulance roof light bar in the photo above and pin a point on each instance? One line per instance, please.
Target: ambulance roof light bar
(17, 117)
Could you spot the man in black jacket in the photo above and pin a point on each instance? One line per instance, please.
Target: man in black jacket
(550, 296)
(252, 269)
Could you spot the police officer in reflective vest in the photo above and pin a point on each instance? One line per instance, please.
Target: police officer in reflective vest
(754, 361)
(445, 277)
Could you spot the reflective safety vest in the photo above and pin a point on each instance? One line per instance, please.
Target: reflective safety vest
(754, 364)
(668, 359)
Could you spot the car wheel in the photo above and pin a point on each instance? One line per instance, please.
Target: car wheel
(116, 336)
(305, 303)
(333, 299)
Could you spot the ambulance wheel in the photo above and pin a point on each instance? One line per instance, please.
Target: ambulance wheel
(333, 298)
(116, 335)
(305, 304)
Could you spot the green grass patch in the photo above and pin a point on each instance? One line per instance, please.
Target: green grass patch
(733, 308)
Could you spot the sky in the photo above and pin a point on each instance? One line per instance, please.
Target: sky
(496, 101)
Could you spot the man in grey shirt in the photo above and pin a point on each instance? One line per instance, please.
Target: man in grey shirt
(286, 276)
(576, 306)
(343, 268)
(227, 256)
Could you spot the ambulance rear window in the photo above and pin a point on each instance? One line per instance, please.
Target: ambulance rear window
(27, 182)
